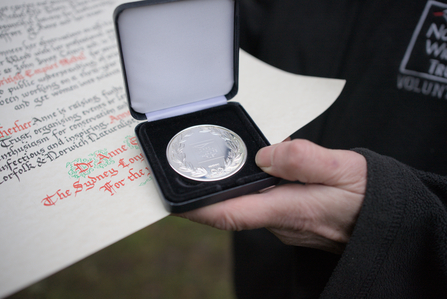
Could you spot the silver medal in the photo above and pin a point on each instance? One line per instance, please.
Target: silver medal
(206, 153)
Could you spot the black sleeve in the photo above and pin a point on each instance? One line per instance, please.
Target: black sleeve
(399, 246)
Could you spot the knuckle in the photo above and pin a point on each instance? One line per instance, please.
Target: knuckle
(297, 151)
(228, 222)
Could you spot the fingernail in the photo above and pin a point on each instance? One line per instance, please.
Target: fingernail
(262, 158)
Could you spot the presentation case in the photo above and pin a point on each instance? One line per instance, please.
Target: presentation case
(180, 66)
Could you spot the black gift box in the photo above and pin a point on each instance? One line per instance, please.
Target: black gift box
(180, 65)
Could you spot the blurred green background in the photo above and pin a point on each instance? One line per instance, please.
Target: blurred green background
(173, 258)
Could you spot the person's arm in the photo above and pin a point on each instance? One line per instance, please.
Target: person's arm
(398, 246)
(388, 219)
(320, 213)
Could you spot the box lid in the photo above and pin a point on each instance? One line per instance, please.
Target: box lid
(178, 56)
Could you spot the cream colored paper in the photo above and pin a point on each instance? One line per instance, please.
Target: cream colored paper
(279, 102)
(72, 178)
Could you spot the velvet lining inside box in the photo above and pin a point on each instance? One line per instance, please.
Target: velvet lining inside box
(155, 136)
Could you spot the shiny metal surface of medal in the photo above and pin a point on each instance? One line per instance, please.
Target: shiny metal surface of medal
(206, 153)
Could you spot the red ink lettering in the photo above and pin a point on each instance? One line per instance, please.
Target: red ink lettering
(83, 167)
(90, 184)
(72, 59)
(63, 195)
(136, 158)
(11, 79)
(48, 201)
(78, 187)
(122, 163)
(15, 129)
(135, 175)
(119, 184)
(42, 70)
(113, 172)
(101, 157)
(108, 187)
(118, 151)
(119, 116)
(133, 140)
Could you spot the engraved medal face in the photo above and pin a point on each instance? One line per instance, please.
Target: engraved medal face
(206, 153)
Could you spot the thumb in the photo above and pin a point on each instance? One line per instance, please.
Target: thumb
(304, 161)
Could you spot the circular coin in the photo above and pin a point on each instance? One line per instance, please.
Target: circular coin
(206, 153)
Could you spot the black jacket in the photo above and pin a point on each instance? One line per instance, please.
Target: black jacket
(399, 245)
(395, 105)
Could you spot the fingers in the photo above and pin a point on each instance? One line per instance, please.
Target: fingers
(245, 212)
(320, 214)
(304, 161)
(292, 209)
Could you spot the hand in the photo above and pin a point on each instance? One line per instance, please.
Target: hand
(321, 213)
